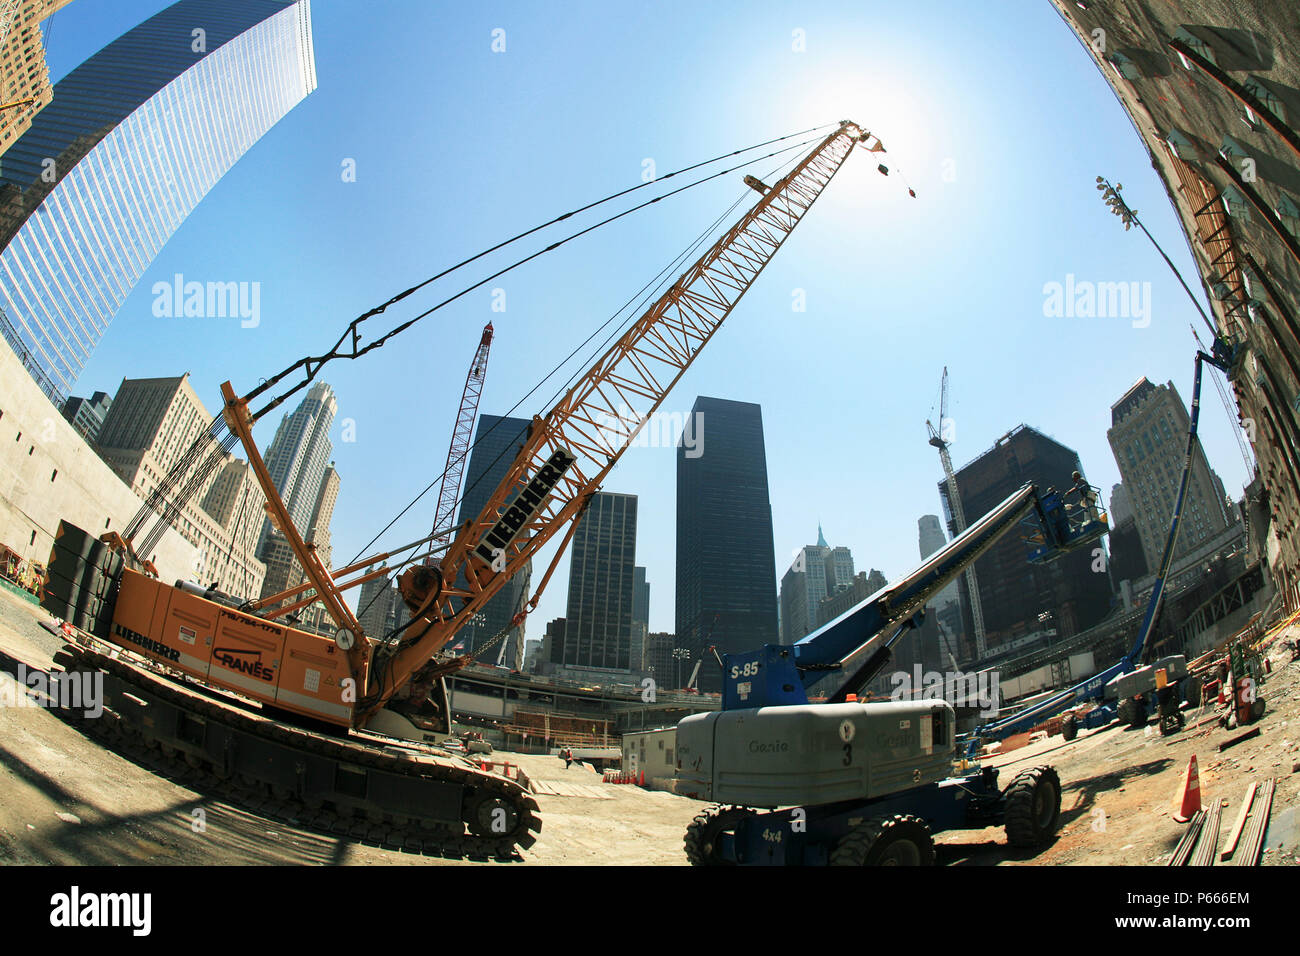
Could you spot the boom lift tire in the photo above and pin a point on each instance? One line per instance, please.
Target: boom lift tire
(705, 831)
(1132, 712)
(1069, 727)
(1033, 807)
(900, 840)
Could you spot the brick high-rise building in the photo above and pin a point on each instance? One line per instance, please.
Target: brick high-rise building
(23, 73)
(1148, 436)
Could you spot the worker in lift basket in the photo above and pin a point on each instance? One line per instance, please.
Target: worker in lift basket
(1087, 500)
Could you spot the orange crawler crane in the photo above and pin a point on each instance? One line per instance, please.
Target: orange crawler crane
(307, 722)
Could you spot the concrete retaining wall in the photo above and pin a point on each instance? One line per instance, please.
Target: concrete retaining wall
(49, 473)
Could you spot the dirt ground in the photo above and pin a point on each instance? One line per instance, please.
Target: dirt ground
(65, 800)
(1119, 784)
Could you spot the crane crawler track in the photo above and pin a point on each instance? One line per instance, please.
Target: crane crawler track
(398, 795)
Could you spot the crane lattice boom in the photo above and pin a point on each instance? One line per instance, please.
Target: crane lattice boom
(567, 455)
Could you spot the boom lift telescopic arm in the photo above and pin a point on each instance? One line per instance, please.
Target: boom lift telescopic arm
(778, 675)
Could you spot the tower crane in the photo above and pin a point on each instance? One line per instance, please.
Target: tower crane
(939, 440)
(291, 682)
(460, 437)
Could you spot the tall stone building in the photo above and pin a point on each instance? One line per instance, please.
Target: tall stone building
(299, 466)
(323, 514)
(299, 454)
(726, 565)
(150, 424)
(380, 607)
(803, 587)
(1121, 504)
(1148, 436)
(1213, 90)
(24, 76)
(817, 572)
(930, 538)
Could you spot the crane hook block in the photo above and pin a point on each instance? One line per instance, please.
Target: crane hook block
(884, 170)
(756, 185)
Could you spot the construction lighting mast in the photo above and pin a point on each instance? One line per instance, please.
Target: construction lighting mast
(939, 439)
(460, 437)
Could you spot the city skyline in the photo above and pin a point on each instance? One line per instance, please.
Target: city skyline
(828, 462)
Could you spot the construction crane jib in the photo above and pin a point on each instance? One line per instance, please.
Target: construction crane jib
(566, 455)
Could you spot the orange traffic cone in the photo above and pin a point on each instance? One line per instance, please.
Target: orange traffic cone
(1190, 803)
(642, 783)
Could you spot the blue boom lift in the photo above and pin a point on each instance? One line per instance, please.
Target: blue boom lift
(861, 783)
(1114, 696)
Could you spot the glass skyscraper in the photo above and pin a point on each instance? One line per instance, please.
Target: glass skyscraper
(726, 566)
(133, 140)
(1020, 599)
(496, 443)
(602, 592)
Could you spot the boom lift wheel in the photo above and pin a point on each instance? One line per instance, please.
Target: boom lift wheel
(900, 840)
(1132, 711)
(1069, 727)
(705, 831)
(1192, 691)
(1033, 807)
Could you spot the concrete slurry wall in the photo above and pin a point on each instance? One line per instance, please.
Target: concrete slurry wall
(49, 473)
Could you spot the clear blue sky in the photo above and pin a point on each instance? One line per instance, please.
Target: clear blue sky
(995, 114)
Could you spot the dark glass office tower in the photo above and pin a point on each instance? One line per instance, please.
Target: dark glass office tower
(599, 619)
(135, 137)
(1022, 600)
(496, 443)
(726, 567)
